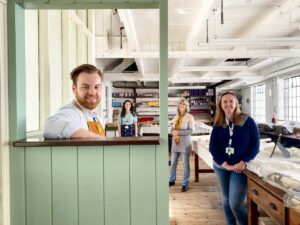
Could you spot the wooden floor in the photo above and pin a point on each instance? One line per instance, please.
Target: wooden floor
(200, 204)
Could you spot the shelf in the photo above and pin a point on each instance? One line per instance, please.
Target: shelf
(141, 87)
(146, 97)
(200, 106)
(199, 113)
(123, 97)
(154, 87)
(124, 87)
(204, 96)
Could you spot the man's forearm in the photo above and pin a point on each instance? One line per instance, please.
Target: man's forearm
(82, 133)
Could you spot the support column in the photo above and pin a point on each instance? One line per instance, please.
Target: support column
(16, 71)
(162, 149)
(17, 109)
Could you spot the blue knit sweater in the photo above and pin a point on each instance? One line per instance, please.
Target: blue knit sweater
(245, 141)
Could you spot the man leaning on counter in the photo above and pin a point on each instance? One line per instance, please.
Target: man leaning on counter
(79, 118)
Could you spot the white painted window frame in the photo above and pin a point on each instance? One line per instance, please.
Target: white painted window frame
(85, 28)
(4, 134)
(254, 97)
(294, 78)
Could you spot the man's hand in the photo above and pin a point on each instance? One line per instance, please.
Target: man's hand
(82, 133)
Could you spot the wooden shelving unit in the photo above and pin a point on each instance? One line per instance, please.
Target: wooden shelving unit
(135, 95)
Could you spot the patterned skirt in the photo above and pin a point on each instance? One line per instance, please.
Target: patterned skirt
(128, 130)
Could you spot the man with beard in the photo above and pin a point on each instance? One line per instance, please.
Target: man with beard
(79, 118)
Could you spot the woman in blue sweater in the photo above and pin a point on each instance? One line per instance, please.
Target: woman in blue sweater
(234, 141)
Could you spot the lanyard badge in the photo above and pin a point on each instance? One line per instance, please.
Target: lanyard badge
(230, 150)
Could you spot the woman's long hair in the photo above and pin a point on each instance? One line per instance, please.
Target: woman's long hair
(123, 112)
(220, 115)
(187, 106)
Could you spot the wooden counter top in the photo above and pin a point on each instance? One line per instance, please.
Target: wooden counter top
(40, 141)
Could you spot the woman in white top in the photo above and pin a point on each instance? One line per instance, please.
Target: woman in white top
(182, 130)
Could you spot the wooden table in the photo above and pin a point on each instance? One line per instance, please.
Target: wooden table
(287, 140)
(202, 152)
(270, 199)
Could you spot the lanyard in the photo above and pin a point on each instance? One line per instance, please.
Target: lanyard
(126, 118)
(230, 131)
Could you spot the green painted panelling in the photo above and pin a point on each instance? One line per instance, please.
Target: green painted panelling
(141, 1)
(88, 1)
(90, 4)
(17, 186)
(143, 185)
(162, 178)
(16, 72)
(115, 1)
(64, 185)
(116, 185)
(38, 186)
(61, 1)
(35, 1)
(90, 188)
(162, 149)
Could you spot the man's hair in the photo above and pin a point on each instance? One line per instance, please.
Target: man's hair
(87, 68)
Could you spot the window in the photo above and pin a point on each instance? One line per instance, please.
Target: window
(52, 48)
(292, 98)
(259, 103)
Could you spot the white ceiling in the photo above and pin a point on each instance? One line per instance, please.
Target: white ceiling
(201, 49)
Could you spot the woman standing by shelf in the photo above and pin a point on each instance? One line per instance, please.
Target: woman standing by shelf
(127, 121)
(182, 130)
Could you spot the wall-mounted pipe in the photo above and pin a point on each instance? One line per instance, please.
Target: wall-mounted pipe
(121, 37)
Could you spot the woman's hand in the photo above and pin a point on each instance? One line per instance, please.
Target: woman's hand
(226, 166)
(174, 132)
(239, 167)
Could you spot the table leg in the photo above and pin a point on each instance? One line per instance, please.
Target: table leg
(252, 212)
(196, 168)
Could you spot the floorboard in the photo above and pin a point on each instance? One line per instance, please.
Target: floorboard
(201, 204)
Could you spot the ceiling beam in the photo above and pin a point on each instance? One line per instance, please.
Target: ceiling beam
(207, 54)
(123, 65)
(126, 18)
(259, 26)
(252, 42)
(268, 18)
(252, 64)
(198, 25)
(281, 67)
(212, 68)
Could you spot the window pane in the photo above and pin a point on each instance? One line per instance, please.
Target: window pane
(259, 103)
(32, 71)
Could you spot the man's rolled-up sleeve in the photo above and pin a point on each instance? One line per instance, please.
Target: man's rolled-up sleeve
(62, 125)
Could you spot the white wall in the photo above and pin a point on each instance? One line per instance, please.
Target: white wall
(271, 99)
(4, 159)
(246, 101)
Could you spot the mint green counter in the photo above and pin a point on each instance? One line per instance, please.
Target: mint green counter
(92, 182)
